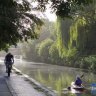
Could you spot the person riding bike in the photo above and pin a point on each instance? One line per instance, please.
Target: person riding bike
(9, 59)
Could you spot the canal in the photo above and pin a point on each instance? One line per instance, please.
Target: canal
(56, 77)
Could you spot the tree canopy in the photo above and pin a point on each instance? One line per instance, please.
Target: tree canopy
(63, 8)
(18, 23)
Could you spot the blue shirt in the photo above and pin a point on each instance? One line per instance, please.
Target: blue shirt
(78, 82)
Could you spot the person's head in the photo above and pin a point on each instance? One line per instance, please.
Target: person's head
(77, 77)
(9, 53)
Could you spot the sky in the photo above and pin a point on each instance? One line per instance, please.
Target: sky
(50, 16)
(47, 14)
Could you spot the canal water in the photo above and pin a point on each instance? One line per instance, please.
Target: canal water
(57, 78)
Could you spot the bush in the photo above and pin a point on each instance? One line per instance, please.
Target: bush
(43, 49)
(87, 62)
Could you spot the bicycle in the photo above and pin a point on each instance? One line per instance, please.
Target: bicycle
(9, 69)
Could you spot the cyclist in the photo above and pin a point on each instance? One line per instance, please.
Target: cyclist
(9, 59)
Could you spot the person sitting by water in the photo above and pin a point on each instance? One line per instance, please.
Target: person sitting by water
(78, 81)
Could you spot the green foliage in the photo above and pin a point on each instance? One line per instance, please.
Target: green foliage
(79, 40)
(60, 44)
(63, 8)
(31, 53)
(76, 33)
(54, 54)
(14, 22)
(29, 50)
(88, 63)
(63, 38)
(43, 49)
(17, 23)
(83, 27)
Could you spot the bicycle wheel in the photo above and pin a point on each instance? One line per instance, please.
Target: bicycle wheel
(9, 71)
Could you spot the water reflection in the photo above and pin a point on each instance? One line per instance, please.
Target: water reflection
(56, 77)
(52, 81)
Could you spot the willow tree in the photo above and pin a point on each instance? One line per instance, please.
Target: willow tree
(63, 35)
(79, 35)
(83, 30)
(78, 31)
